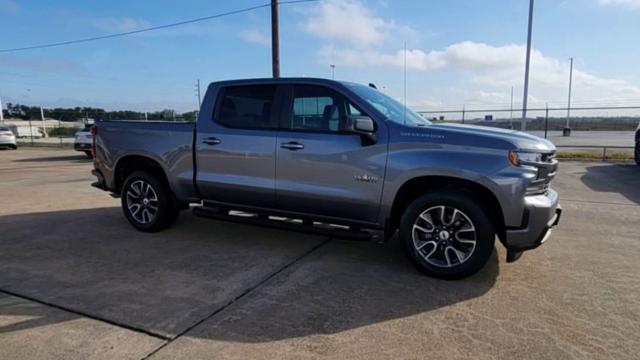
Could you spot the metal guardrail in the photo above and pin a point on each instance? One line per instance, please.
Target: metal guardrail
(603, 147)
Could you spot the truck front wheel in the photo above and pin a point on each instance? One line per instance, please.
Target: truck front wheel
(147, 202)
(447, 235)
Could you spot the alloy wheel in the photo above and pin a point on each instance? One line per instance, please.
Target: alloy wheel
(142, 201)
(444, 236)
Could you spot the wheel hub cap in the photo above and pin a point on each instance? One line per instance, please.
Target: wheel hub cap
(142, 201)
(444, 236)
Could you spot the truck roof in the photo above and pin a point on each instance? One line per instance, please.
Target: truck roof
(285, 80)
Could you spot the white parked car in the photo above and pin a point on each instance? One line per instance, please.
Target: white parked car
(84, 141)
(7, 138)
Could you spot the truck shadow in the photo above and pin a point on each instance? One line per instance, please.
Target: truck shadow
(616, 178)
(80, 158)
(262, 284)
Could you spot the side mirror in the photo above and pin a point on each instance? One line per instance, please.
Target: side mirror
(364, 126)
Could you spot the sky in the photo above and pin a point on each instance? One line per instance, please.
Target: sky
(463, 52)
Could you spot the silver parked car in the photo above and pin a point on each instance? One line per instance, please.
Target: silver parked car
(7, 138)
(83, 141)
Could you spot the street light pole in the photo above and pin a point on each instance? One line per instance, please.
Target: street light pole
(1, 112)
(333, 71)
(275, 40)
(567, 128)
(197, 90)
(511, 111)
(526, 69)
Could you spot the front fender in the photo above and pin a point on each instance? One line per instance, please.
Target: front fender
(487, 167)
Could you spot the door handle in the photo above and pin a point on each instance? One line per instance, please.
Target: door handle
(292, 146)
(211, 141)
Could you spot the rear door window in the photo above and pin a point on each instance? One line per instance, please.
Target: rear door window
(247, 107)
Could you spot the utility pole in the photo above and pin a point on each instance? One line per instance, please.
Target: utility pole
(526, 69)
(275, 40)
(511, 111)
(1, 113)
(44, 124)
(333, 71)
(30, 129)
(567, 128)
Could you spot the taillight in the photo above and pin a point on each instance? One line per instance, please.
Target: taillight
(94, 132)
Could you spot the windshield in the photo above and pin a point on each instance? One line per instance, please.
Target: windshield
(389, 107)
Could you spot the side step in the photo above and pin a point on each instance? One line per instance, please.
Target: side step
(303, 226)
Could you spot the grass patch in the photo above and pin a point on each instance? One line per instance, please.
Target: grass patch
(595, 155)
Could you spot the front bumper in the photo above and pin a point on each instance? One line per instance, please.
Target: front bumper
(7, 141)
(82, 146)
(542, 214)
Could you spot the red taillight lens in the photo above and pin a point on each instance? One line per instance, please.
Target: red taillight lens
(94, 132)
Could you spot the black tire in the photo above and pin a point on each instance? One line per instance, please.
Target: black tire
(89, 154)
(14, 147)
(637, 155)
(166, 210)
(443, 238)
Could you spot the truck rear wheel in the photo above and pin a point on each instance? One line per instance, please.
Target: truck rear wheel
(447, 235)
(148, 203)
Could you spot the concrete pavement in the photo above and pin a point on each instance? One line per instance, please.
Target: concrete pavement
(208, 289)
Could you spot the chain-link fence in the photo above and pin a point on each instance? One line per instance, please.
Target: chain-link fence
(36, 126)
(594, 131)
(605, 132)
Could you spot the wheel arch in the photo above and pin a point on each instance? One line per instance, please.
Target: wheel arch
(130, 163)
(418, 186)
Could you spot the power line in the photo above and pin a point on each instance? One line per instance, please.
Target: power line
(153, 28)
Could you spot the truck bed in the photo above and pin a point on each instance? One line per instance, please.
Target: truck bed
(170, 144)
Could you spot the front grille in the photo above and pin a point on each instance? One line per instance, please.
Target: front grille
(547, 170)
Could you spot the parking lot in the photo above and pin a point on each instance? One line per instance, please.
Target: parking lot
(77, 281)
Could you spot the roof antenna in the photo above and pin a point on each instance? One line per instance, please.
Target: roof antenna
(373, 86)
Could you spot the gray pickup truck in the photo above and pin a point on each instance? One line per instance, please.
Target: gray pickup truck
(340, 159)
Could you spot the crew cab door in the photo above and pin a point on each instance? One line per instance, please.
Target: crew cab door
(235, 149)
(321, 168)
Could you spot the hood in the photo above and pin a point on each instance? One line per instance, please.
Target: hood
(519, 139)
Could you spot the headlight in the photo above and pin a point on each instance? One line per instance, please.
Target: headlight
(519, 157)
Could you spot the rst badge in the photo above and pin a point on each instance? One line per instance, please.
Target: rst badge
(366, 178)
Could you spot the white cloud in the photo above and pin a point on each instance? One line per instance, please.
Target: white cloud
(347, 20)
(255, 37)
(494, 67)
(122, 24)
(484, 71)
(627, 3)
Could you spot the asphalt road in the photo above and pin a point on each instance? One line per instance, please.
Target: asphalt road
(77, 282)
(590, 138)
